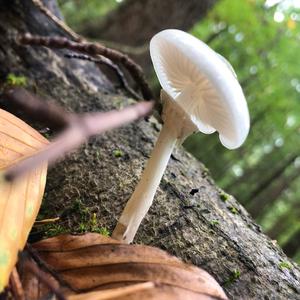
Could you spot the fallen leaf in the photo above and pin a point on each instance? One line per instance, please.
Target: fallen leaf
(97, 267)
(19, 200)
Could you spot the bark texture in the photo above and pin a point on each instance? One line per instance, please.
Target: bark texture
(134, 22)
(203, 226)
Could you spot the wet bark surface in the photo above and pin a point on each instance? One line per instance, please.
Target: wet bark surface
(191, 217)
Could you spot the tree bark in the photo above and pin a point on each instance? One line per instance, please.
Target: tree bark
(199, 228)
(134, 22)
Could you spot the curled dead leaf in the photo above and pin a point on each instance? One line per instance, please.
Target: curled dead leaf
(19, 200)
(98, 267)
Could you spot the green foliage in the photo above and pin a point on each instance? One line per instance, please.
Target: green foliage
(54, 230)
(263, 49)
(102, 230)
(78, 13)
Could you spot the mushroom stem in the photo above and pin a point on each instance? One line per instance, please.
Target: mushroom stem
(142, 198)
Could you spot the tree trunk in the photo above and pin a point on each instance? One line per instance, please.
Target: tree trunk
(263, 201)
(134, 22)
(292, 246)
(199, 228)
(285, 221)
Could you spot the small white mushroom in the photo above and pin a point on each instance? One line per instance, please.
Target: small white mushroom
(200, 93)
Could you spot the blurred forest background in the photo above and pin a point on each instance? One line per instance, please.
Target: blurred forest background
(261, 39)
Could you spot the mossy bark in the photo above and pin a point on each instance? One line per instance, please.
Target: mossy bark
(191, 217)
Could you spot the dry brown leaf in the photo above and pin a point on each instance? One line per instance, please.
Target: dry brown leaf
(126, 291)
(20, 200)
(92, 262)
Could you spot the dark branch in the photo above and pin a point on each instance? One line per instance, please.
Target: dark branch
(93, 49)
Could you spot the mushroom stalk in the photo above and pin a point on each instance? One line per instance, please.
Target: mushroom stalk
(142, 198)
(176, 128)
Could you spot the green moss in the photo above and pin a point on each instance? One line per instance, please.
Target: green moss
(81, 209)
(94, 226)
(214, 222)
(82, 227)
(285, 265)
(223, 196)
(54, 230)
(101, 230)
(233, 210)
(93, 220)
(233, 277)
(14, 80)
(118, 153)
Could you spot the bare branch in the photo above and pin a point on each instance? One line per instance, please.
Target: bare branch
(93, 49)
(39, 4)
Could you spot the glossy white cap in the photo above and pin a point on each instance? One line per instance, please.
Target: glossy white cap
(203, 83)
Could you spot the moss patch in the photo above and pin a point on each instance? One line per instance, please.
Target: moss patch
(118, 153)
(233, 210)
(285, 265)
(233, 277)
(15, 80)
(223, 196)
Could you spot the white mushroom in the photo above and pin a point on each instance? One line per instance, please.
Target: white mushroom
(200, 93)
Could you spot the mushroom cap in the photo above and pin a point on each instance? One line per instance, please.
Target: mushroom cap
(203, 83)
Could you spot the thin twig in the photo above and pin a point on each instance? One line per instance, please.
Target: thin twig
(78, 130)
(61, 24)
(93, 49)
(103, 60)
(46, 221)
